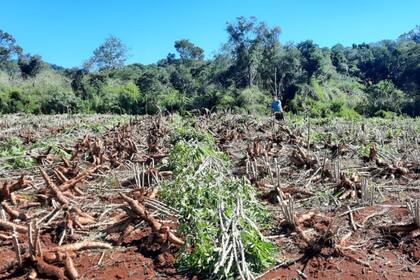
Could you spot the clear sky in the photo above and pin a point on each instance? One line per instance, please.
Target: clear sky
(65, 32)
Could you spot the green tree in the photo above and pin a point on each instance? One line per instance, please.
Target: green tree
(339, 59)
(111, 54)
(311, 57)
(30, 65)
(245, 51)
(413, 35)
(289, 73)
(250, 42)
(129, 96)
(8, 47)
(188, 51)
(386, 97)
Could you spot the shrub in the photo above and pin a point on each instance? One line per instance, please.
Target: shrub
(348, 114)
(129, 96)
(253, 100)
(171, 100)
(385, 114)
(59, 103)
(336, 106)
(226, 100)
(385, 96)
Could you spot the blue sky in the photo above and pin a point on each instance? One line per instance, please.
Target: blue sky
(65, 32)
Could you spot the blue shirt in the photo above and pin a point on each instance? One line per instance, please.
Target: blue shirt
(276, 106)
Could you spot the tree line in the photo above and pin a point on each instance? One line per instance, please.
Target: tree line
(380, 78)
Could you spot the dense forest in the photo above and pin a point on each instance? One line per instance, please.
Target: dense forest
(369, 79)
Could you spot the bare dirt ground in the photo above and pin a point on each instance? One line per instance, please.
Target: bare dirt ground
(338, 193)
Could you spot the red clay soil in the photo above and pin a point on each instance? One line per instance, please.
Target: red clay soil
(115, 265)
(386, 266)
(141, 258)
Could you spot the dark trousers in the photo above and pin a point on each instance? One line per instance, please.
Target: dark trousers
(279, 116)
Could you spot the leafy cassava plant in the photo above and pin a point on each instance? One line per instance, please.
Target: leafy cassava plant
(14, 154)
(201, 182)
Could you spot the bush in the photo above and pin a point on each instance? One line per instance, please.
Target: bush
(171, 100)
(385, 96)
(129, 96)
(336, 106)
(226, 100)
(348, 114)
(385, 114)
(59, 103)
(253, 100)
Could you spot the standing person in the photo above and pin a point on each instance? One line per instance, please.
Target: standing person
(276, 108)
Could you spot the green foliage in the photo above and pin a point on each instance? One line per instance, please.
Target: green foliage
(385, 114)
(225, 100)
(384, 96)
(116, 97)
(188, 51)
(8, 47)
(323, 100)
(128, 98)
(16, 101)
(187, 133)
(171, 100)
(14, 154)
(200, 183)
(30, 66)
(349, 114)
(110, 55)
(57, 150)
(250, 68)
(59, 103)
(253, 100)
(311, 57)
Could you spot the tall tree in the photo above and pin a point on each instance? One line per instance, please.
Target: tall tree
(112, 54)
(289, 73)
(311, 57)
(8, 47)
(339, 59)
(270, 58)
(30, 65)
(188, 51)
(248, 40)
(413, 35)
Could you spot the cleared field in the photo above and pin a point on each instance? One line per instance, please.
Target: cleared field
(218, 195)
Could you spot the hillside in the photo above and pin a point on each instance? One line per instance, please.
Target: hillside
(381, 78)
